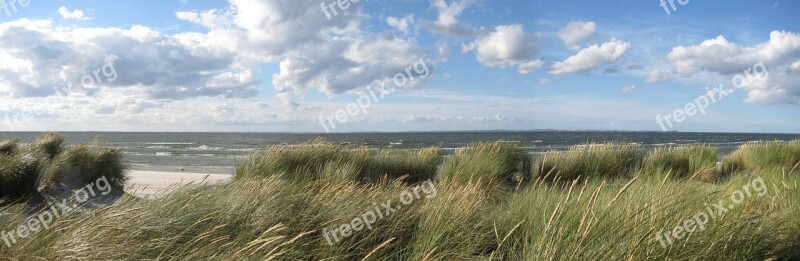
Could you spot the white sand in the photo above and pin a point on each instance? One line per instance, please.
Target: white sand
(153, 183)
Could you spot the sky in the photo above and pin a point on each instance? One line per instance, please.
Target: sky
(403, 65)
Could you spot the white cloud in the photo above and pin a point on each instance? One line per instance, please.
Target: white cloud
(779, 54)
(628, 89)
(795, 66)
(659, 76)
(334, 56)
(592, 57)
(507, 45)
(576, 32)
(48, 59)
(76, 14)
(530, 67)
(401, 24)
(448, 13)
(447, 20)
(345, 65)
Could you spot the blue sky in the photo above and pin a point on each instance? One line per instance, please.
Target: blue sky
(282, 65)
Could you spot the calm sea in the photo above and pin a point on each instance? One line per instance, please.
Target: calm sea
(219, 152)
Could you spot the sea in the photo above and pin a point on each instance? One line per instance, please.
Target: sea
(218, 153)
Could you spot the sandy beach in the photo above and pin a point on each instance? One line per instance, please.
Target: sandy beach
(152, 183)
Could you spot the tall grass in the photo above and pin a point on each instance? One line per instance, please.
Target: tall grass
(302, 162)
(415, 166)
(615, 213)
(618, 219)
(455, 225)
(698, 161)
(273, 218)
(765, 155)
(318, 159)
(488, 163)
(18, 176)
(590, 161)
(26, 169)
(49, 144)
(8, 146)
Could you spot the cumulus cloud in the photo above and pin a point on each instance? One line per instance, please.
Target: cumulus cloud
(718, 55)
(401, 24)
(345, 65)
(505, 46)
(45, 58)
(530, 67)
(76, 14)
(334, 56)
(576, 32)
(659, 76)
(795, 66)
(447, 20)
(591, 58)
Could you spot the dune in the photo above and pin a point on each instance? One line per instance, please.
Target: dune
(154, 183)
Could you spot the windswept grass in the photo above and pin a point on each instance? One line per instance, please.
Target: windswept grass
(698, 161)
(26, 169)
(456, 225)
(619, 219)
(302, 162)
(8, 146)
(18, 176)
(273, 218)
(322, 160)
(416, 166)
(617, 212)
(762, 156)
(49, 143)
(96, 160)
(590, 161)
(487, 163)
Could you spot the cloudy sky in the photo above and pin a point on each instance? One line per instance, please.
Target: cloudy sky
(281, 65)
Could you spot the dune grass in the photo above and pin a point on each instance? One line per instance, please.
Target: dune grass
(764, 155)
(488, 163)
(318, 159)
(8, 146)
(697, 161)
(18, 176)
(416, 166)
(269, 216)
(589, 161)
(26, 169)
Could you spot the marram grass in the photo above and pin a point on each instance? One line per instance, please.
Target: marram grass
(764, 155)
(614, 216)
(26, 169)
(318, 160)
(696, 161)
(491, 164)
(590, 161)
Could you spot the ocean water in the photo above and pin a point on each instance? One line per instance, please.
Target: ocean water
(219, 152)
